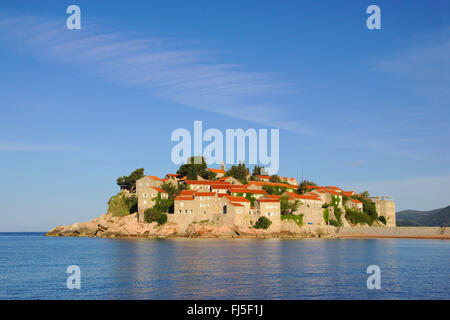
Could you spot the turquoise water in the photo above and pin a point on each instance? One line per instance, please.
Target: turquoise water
(34, 267)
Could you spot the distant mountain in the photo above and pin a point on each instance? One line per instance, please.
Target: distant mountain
(433, 218)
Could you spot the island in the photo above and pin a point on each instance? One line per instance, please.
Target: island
(198, 201)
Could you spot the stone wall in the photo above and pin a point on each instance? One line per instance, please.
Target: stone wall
(401, 232)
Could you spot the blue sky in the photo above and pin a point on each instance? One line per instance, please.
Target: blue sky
(358, 108)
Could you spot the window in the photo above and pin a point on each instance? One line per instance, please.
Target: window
(145, 195)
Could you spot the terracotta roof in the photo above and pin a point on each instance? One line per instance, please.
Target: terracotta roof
(216, 170)
(268, 200)
(263, 177)
(164, 179)
(172, 174)
(204, 194)
(221, 195)
(237, 199)
(159, 189)
(187, 192)
(303, 196)
(184, 178)
(155, 178)
(262, 183)
(184, 198)
(270, 196)
(333, 187)
(203, 182)
(236, 204)
(355, 201)
(219, 186)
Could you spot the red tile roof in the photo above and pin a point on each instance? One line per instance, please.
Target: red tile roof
(187, 192)
(202, 182)
(236, 204)
(220, 186)
(184, 198)
(236, 199)
(270, 196)
(268, 200)
(303, 196)
(172, 174)
(355, 201)
(155, 178)
(263, 177)
(202, 194)
(159, 189)
(216, 170)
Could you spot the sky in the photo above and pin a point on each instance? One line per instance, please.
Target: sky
(356, 108)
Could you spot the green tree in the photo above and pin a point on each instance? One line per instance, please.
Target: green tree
(171, 188)
(274, 190)
(121, 205)
(191, 169)
(238, 172)
(287, 206)
(129, 182)
(250, 198)
(302, 187)
(263, 223)
(257, 170)
(275, 178)
(154, 215)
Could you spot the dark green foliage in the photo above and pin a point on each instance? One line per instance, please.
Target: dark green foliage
(433, 218)
(238, 172)
(263, 223)
(302, 187)
(191, 170)
(335, 200)
(122, 205)
(297, 218)
(275, 178)
(382, 219)
(257, 171)
(250, 198)
(288, 207)
(355, 216)
(334, 223)
(129, 182)
(369, 207)
(171, 188)
(154, 215)
(274, 190)
(326, 215)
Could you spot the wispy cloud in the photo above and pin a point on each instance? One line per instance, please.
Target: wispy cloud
(187, 77)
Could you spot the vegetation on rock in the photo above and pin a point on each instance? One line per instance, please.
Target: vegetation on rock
(122, 205)
(263, 223)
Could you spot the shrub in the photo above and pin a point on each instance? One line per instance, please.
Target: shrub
(355, 216)
(122, 205)
(326, 215)
(298, 219)
(382, 219)
(263, 223)
(154, 215)
(334, 223)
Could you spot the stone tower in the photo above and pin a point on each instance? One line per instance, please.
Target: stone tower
(386, 207)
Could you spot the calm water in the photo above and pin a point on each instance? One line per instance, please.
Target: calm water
(34, 267)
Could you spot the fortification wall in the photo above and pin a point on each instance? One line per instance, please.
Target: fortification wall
(394, 232)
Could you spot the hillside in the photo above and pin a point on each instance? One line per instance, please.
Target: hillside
(433, 218)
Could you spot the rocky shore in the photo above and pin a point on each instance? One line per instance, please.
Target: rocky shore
(108, 226)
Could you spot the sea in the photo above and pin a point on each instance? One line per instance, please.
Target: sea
(33, 266)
